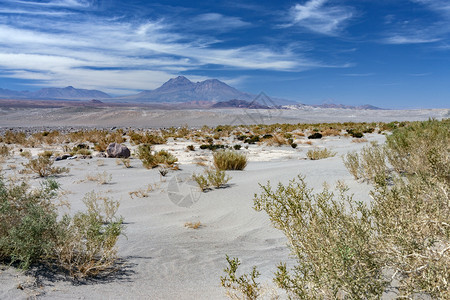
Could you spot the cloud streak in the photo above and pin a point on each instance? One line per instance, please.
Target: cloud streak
(63, 51)
(319, 17)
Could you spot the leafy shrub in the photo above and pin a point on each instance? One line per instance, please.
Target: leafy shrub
(43, 166)
(329, 236)
(217, 178)
(355, 134)
(32, 233)
(237, 147)
(315, 154)
(212, 177)
(150, 160)
(202, 182)
(229, 160)
(253, 139)
(242, 287)
(315, 135)
(212, 147)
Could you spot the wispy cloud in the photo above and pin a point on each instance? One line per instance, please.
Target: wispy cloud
(319, 16)
(215, 21)
(399, 39)
(139, 55)
(358, 74)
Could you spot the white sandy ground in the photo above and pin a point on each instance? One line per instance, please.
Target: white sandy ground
(145, 117)
(166, 260)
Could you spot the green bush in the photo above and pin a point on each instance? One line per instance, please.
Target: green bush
(330, 238)
(229, 160)
(32, 233)
(150, 160)
(212, 177)
(43, 166)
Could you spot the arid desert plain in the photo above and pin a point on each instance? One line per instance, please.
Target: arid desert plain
(163, 256)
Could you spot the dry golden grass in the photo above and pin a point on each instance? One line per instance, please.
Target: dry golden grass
(193, 225)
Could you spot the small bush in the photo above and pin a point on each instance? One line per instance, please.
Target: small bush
(5, 151)
(43, 166)
(190, 148)
(217, 178)
(315, 154)
(150, 160)
(202, 182)
(315, 135)
(242, 287)
(229, 160)
(32, 233)
(237, 147)
(100, 178)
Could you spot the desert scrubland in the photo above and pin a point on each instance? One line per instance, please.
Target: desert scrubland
(167, 216)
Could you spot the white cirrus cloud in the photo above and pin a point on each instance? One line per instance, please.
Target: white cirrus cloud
(320, 17)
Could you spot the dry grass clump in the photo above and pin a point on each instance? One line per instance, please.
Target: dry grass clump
(137, 138)
(100, 178)
(31, 232)
(212, 178)
(5, 151)
(276, 140)
(193, 225)
(331, 132)
(150, 160)
(229, 160)
(126, 162)
(315, 154)
(141, 193)
(360, 140)
(26, 154)
(43, 166)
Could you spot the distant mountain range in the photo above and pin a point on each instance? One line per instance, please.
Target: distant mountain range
(67, 93)
(179, 91)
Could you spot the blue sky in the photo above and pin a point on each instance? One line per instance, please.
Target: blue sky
(389, 53)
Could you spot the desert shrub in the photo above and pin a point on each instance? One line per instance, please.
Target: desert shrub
(276, 140)
(14, 137)
(32, 233)
(86, 245)
(294, 145)
(193, 225)
(46, 153)
(355, 134)
(237, 147)
(28, 222)
(229, 160)
(147, 138)
(331, 132)
(212, 147)
(331, 239)
(190, 147)
(253, 139)
(315, 135)
(43, 166)
(26, 154)
(150, 160)
(217, 177)
(242, 287)
(202, 181)
(100, 178)
(315, 154)
(211, 178)
(5, 151)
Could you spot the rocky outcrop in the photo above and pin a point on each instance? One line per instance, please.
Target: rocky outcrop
(116, 150)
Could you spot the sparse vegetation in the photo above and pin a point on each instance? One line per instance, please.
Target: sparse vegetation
(315, 154)
(211, 178)
(193, 225)
(100, 178)
(32, 233)
(43, 166)
(242, 287)
(345, 248)
(150, 160)
(229, 160)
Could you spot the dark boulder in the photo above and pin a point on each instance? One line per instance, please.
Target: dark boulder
(118, 150)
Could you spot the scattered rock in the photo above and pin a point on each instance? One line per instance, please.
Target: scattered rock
(118, 150)
(63, 157)
(101, 154)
